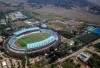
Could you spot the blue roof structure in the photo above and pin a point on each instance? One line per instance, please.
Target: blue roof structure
(96, 30)
(25, 30)
(41, 43)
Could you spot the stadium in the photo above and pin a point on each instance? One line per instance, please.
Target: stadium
(31, 41)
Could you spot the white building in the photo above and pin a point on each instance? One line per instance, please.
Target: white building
(16, 16)
(1, 39)
(84, 57)
(71, 42)
(3, 21)
(4, 63)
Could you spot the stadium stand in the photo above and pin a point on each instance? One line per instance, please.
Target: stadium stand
(12, 46)
(41, 43)
(26, 30)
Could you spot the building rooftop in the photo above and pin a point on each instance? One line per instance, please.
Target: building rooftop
(2, 21)
(16, 15)
(1, 39)
(84, 57)
(94, 30)
(4, 63)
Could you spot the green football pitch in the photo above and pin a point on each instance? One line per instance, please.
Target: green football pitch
(32, 39)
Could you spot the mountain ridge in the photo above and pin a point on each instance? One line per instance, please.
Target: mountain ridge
(61, 3)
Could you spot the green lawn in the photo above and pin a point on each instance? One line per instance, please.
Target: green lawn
(32, 38)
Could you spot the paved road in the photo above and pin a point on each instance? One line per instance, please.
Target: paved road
(76, 53)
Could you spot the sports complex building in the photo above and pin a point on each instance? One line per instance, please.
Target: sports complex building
(31, 41)
(94, 30)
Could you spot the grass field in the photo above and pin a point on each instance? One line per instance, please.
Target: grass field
(49, 13)
(32, 38)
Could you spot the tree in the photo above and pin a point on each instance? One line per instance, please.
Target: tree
(52, 66)
(78, 65)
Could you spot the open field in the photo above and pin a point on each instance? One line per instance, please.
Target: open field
(50, 13)
(57, 26)
(31, 39)
(68, 64)
(68, 13)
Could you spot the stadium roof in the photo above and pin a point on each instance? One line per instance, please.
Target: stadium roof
(95, 30)
(25, 30)
(41, 43)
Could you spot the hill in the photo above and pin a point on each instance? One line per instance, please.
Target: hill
(97, 2)
(61, 3)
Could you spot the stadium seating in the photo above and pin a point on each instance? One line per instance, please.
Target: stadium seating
(41, 43)
(52, 33)
(13, 45)
(12, 42)
(25, 30)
